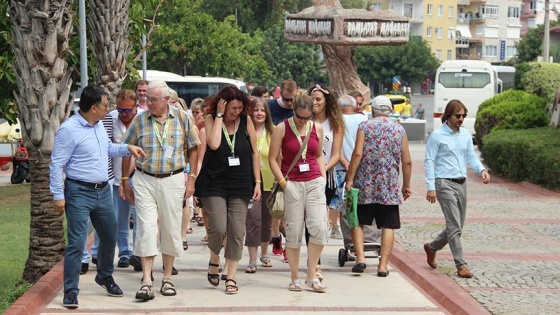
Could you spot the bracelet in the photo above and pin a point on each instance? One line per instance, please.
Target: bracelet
(258, 181)
(283, 180)
(123, 178)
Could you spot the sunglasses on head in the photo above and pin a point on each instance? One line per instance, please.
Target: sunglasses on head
(460, 115)
(303, 117)
(125, 110)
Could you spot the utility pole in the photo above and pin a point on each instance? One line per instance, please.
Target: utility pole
(546, 39)
(83, 45)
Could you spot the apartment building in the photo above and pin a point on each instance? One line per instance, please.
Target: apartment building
(532, 13)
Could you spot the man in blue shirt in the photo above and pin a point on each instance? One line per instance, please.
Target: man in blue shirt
(281, 108)
(448, 151)
(81, 149)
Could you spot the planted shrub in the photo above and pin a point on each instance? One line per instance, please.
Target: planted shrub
(542, 80)
(526, 154)
(510, 110)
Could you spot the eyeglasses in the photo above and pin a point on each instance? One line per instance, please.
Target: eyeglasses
(303, 117)
(125, 110)
(154, 99)
(460, 115)
(286, 99)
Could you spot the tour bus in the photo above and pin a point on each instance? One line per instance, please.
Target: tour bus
(191, 87)
(470, 81)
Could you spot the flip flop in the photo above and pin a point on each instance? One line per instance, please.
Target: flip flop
(266, 262)
(252, 268)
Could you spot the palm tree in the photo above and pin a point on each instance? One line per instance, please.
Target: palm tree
(40, 31)
(109, 33)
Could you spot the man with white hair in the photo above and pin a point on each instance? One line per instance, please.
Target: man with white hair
(352, 118)
(169, 139)
(381, 150)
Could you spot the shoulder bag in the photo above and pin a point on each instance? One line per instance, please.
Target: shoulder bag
(275, 201)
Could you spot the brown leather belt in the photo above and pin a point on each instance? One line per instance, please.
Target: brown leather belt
(457, 180)
(163, 175)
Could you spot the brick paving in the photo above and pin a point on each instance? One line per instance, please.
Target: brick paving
(511, 241)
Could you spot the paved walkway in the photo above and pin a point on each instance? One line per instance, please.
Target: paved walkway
(511, 241)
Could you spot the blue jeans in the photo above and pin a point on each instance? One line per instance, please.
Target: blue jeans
(122, 211)
(86, 255)
(82, 204)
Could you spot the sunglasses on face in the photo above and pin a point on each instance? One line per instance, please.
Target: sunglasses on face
(125, 110)
(303, 117)
(460, 115)
(288, 100)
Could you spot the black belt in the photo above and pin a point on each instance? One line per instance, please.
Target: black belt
(164, 175)
(457, 180)
(96, 186)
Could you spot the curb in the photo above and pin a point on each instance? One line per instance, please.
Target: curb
(436, 285)
(40, 294)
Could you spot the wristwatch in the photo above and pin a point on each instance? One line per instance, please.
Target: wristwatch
(194, 176)
(219, 115)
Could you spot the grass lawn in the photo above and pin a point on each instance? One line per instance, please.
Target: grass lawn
(14, 241)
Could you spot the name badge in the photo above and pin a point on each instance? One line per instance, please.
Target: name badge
(262, 164)
(168, 152)
(234, 161)
(304, 168)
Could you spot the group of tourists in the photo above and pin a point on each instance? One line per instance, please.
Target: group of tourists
(228, 151)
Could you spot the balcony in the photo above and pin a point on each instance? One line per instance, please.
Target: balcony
(461, 43)
(528, 14)
(464, 2)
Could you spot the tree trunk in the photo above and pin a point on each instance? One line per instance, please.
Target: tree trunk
(343, 75)
(40, 42)
(108, 29)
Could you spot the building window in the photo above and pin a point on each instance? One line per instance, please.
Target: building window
(439, 32)
(408, 10)
(429, 9)
(438, 54)
(511, 51)
(440, 10)
(490, 51)
(513, 12)
(487, 11)
(375, 6)
(450, 33)
(451, 11)
(449, 55)
(532, 5)
(429, 32)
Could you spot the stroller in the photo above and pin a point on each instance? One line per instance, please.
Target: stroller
(372, 242)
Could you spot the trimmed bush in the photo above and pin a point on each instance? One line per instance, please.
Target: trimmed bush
(542, 80)
(528, 154)
(511, 109)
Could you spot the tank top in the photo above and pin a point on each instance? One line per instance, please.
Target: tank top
(291, 146)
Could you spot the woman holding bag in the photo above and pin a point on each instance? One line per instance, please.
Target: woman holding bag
(300, 140)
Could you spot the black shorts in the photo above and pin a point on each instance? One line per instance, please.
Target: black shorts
(386, 216)
(329, 194)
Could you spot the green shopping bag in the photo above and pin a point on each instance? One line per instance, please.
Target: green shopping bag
(352, 207)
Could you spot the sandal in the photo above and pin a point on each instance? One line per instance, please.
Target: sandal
(185, 245)
(252, 268)
(189, 230)
(145, 293)
(266, 262)
(194, 218)
(295, 285)
(213, 278)
(167, 287)
(316, 285)
(204, 239)
(231, 288)
(200, 221)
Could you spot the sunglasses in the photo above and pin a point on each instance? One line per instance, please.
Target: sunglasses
(125, 110)
(286, 99)
(460, 115)
(303, 117)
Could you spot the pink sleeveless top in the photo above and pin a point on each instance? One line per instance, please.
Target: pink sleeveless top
(291, 146)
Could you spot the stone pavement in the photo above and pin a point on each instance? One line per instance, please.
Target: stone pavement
(511, 241)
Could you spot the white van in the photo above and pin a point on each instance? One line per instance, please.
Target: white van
(191, 87)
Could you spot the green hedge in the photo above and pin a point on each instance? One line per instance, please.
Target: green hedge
(543, 79)
(511, 109)
(525, 155)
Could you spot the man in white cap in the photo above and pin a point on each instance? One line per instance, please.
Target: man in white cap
(381, 148)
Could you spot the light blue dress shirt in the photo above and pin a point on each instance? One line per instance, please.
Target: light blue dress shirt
(82, 151)
(447, 154)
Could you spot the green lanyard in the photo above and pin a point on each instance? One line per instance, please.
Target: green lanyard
(160, 137)
(261, 141)
(229, 142)
(296, 132)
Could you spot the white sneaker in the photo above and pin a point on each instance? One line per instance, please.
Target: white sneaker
(335, 232)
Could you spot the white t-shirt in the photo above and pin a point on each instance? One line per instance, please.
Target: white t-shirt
(328, 136)
(119, 130)
(351, 122)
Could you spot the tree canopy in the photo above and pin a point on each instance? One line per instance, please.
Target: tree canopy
(530, 46)
(412, 62)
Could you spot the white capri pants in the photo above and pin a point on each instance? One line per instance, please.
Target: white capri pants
(158, 199)
(305, 203)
